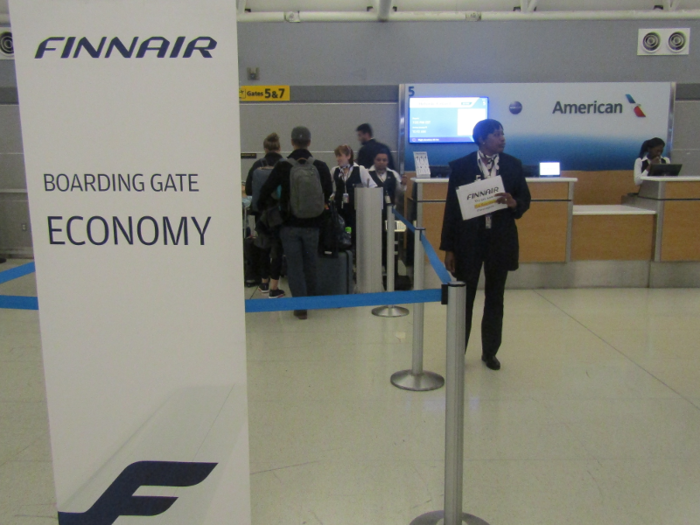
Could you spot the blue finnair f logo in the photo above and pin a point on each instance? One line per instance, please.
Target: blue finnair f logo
(119, 500)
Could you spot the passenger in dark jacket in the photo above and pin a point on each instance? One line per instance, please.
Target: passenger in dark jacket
(299, 235)
(370, 147)
(269, 258)
(491, 240)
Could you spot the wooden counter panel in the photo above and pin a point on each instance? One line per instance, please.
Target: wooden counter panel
(612, 238)
(601, 187)
(681, 234)
(682, 190)
(542, 232)
(548, 191)
(434, 191)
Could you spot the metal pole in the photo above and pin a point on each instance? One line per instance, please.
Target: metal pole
(419, 308)
(454, 402)
(390, 240)
(391, 310)
(454, 415)
(368, 203)
(416, 379)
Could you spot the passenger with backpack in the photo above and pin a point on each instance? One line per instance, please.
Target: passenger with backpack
(305, 188)
(268, 247)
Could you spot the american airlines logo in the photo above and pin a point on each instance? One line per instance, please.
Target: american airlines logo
(155, 46)
(637, 107)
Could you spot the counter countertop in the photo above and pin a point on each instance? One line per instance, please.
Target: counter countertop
(610, 209)
(528, 179)
(682, 178)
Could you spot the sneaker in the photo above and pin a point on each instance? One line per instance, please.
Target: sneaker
(276, 294)
(264, 287)
(300, 314)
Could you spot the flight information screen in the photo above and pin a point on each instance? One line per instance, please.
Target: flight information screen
(445, 119)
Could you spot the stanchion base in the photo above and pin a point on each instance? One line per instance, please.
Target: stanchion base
(390, 311)
(424, 382)
(438, 518)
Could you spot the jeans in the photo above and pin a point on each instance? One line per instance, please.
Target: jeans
(301, 248)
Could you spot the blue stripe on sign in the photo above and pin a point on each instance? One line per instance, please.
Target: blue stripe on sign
(16, 272)
(19, 302)
(342, 301)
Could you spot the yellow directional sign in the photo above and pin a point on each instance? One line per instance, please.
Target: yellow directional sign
(263, 93)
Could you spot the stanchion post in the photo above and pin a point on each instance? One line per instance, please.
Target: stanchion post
(390, 311)
(454, 416)
(418, 309)
(416, 379)
(390, 240)
(454, 402)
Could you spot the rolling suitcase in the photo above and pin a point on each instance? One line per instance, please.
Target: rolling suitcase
(334, 275)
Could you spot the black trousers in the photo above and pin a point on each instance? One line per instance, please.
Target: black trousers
(270, 261)
(492, 320)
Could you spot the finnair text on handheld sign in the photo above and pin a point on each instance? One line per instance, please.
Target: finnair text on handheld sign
(159, 46)
(484, 193)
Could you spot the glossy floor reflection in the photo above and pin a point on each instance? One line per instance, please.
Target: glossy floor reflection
(594, 417)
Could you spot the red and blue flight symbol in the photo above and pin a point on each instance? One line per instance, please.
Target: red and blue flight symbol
(637, 108)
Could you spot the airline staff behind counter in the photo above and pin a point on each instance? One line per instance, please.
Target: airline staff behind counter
(649, 154)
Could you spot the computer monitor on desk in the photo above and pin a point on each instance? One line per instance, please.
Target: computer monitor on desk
(665, 170)
(550, 169)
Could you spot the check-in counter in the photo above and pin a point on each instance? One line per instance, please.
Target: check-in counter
(676, 202)
(612, 233)
(544, 231)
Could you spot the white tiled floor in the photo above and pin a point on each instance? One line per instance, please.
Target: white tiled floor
(594, 418)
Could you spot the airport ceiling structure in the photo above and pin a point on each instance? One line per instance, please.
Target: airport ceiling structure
(467, 10)
(470, 10)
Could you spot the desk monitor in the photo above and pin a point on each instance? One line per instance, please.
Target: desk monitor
(665, 170)
(550, 169)
(440, 172)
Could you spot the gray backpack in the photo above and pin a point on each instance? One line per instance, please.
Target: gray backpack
(306, 197)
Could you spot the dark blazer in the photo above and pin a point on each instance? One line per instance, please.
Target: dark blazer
(459, 236)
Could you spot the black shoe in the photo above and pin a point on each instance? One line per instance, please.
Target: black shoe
(300, 314)
(491, 362)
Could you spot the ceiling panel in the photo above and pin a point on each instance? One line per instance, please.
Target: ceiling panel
(461, 5)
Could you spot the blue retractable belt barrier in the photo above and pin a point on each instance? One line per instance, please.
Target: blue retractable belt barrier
(320, 302)
(435, 261)
(16, 272)
(406, 222)
(19, 302)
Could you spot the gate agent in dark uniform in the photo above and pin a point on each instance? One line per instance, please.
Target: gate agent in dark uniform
(491, 240)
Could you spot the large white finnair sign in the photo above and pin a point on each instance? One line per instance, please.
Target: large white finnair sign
(130, 123)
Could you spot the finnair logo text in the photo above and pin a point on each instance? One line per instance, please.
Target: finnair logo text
(155, 46)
